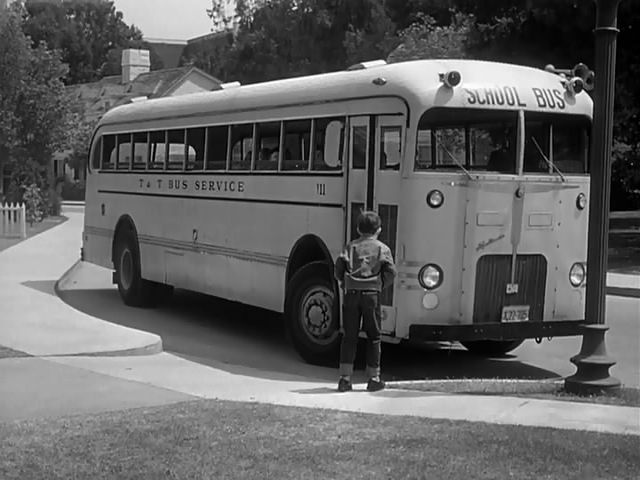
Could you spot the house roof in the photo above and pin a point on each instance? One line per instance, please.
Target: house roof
(102, 95)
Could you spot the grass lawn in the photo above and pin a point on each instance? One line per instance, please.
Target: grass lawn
(46, 224)
(544, 389)
(217, 440)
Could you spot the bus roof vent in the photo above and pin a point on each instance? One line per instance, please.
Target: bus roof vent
(371, 64)
(138, 99)
(228, 85)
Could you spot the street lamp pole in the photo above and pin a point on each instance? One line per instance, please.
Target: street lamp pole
(593, 362)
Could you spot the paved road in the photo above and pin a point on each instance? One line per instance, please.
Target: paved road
(213, 332)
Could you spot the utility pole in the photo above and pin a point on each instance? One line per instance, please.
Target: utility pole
(592, 362)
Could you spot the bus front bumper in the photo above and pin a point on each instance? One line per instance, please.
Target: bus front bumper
(495, 331)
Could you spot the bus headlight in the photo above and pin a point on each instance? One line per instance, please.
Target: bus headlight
(581, 201)
(430, 276)
(577, 274)
(435, 198)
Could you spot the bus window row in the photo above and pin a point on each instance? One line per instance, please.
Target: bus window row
(290, 145)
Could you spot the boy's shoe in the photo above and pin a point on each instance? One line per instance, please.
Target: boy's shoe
(375, 385)
(344, 385)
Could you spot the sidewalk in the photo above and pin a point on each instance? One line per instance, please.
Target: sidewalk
(88, 365)
(32, 317)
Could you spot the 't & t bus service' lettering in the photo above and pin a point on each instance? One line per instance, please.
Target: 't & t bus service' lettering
(198, 185)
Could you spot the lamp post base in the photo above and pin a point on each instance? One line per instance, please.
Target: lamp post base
(593, 365)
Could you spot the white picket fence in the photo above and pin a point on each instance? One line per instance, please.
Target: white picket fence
(13, 220)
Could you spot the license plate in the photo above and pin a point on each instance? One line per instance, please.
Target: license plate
(515, 313)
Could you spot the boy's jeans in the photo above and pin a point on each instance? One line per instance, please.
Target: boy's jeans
(366, 305)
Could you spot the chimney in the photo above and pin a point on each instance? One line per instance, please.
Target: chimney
(134, 62)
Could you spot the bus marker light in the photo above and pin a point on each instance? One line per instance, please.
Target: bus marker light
(451, 78)
(578, 274)
(573, 85)
(430, 276)
(435, 198)
(430, 301)
(581, 201)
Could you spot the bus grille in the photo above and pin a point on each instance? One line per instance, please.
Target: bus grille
(493, 273)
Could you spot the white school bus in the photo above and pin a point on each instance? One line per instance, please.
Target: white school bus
(478, 170)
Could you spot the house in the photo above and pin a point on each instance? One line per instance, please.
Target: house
(136, 81)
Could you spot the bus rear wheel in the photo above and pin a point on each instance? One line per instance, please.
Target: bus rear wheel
(134, 290)
(312, 314)
(492, 348)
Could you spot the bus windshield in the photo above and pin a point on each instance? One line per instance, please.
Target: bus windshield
(556, 143)
(486, 140)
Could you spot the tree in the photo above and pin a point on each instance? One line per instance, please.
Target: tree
(425, 39)
(33, 106)
(91, 35)
(286, 38)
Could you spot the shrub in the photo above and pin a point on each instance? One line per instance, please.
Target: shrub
(34, 204)
(72, 190)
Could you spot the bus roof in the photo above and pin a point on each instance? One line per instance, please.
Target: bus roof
(482, 85)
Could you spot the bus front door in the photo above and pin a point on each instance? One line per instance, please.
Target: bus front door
(375, 148)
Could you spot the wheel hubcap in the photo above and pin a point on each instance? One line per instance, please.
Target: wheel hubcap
(126, 269)
(316, 315)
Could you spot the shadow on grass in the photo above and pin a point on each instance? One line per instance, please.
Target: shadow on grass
(545, 389)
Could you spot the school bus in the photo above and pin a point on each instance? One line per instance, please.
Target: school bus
(478, 170)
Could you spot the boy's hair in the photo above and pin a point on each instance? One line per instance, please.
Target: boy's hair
(368, 223)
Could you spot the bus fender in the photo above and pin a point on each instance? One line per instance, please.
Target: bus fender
(125, 223)
(308, 248)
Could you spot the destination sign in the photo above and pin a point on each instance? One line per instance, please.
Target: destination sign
(510, 96)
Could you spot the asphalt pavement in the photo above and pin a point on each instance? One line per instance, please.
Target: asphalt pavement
(56, 360)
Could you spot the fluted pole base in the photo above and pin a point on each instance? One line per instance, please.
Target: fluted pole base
(593, 363)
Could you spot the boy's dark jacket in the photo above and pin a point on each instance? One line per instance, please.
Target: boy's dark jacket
(365, 264)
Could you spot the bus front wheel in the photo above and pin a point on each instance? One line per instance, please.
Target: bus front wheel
(312, 314)
(492, 348)
(134, 290)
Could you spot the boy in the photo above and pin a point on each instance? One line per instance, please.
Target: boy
(363, 270)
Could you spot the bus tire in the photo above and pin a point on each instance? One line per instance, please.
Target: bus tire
(134, 290)
(312, 314)
(492, 348)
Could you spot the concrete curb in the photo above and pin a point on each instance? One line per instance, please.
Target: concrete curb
(151, 348)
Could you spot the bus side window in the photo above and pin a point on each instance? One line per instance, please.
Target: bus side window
(176, 142)
(328, 145)
(359, 153)
(109, 152)
(124, 152)
(297, 134)
(217, 142)
(157, 150)
(195, 148)
(390, 148)
(96, 153)
(140, 151)
(242, 146)
(268, 144)
(424, 150)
